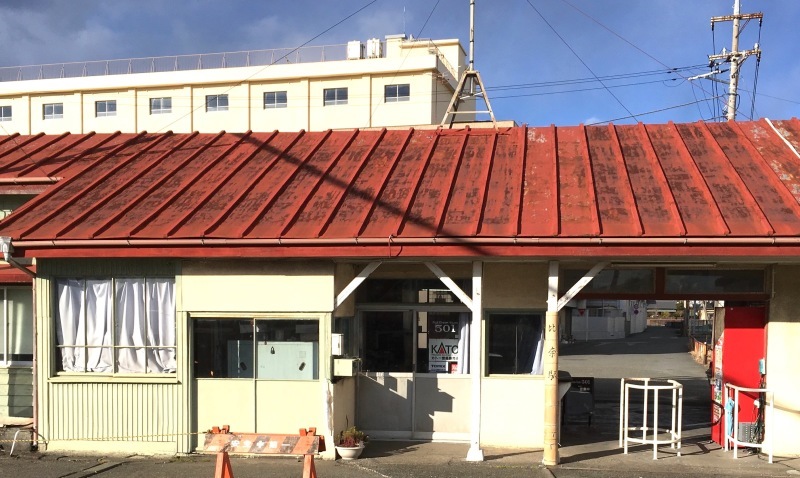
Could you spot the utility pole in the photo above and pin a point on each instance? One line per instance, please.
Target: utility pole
(735, 57)
(470, 77)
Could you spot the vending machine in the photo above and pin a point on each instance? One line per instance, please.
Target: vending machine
(739, 354)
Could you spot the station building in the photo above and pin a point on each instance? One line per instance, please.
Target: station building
(411, 281)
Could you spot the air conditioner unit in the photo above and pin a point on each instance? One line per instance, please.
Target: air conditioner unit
(355, 50)
(374, 48)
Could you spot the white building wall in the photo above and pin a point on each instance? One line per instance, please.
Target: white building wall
(432, 69)
(783, 355)
(180, 119)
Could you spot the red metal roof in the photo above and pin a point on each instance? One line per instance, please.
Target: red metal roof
(678, 189)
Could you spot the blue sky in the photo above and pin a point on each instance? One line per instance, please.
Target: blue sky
(535, 56)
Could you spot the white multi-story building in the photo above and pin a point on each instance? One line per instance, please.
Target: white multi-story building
(395, 82)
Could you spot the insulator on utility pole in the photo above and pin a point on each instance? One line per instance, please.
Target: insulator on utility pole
(735, 57)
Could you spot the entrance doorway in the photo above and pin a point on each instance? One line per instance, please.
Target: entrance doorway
(414, 382)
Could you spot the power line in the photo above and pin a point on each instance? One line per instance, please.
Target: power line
(648, 112)
(578, 57)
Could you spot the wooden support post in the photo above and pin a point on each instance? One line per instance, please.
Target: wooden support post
(551, 404)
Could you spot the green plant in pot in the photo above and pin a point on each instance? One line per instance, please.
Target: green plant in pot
(350, 443)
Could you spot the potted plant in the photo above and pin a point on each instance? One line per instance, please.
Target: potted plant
(350, 443)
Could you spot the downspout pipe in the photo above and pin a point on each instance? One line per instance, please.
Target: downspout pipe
(8, 249)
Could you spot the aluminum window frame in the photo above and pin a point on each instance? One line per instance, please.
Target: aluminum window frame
(218, 102)
(52, 111)
(276, 99)
(105, 108)
(335, 96)
(6, 113)
(397, 93)
(161, 105)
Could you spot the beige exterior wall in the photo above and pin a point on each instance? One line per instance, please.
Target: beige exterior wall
(425, 65)
(512, 412)
(247, 287)
(515, 285)
(783, 355)
(292, 118)
(72, 121)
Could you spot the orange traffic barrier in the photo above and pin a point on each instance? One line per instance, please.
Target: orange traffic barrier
(306, 443)
(224, 469)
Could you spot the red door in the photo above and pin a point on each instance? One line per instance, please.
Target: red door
(736, 361)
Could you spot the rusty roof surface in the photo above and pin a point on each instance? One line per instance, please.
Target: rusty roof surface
(441, 188)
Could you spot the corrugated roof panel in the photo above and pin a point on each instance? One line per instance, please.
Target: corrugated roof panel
(13, 161)
(119, 171)
(195, 190)
(124, 188)
(287, 207)
(394, 201)
(219, 187)
(655, 204)
(321, 207)
(363, 191)
(153, 217)
(570, 182)
(577, 199)
(65, 195)
(616, 208)
(128, 204)
(426, 214)
(465, 206)
(504, 189)
(778, 155)
(539, 216)
(739, 210)
(773, 199)
(242, 206)
(697, 208)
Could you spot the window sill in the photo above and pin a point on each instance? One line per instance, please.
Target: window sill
(106, 378)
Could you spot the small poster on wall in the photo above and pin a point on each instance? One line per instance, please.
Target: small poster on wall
(442, 345)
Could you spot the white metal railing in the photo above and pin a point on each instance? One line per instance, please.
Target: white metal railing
(204, 61)
(647, 385)
(732, 418)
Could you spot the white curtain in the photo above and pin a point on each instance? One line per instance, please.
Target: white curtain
(463, 343)
(161, 325)
(84, 320)
(131, 323)
(70, 326)
(537, 367)
(145, 330)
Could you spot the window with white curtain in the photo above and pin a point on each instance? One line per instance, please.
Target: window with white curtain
(119, 325)
(16, 328)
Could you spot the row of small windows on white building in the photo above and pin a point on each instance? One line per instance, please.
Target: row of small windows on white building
(272, 99)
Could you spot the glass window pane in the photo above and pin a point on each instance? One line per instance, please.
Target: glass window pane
(404, 90)
(223, 348)
(20, 327)
(514, 343)
(442, 341)
(222, 102)
(714, 281)
(280, 97)
(388, 342)
(287, 349)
